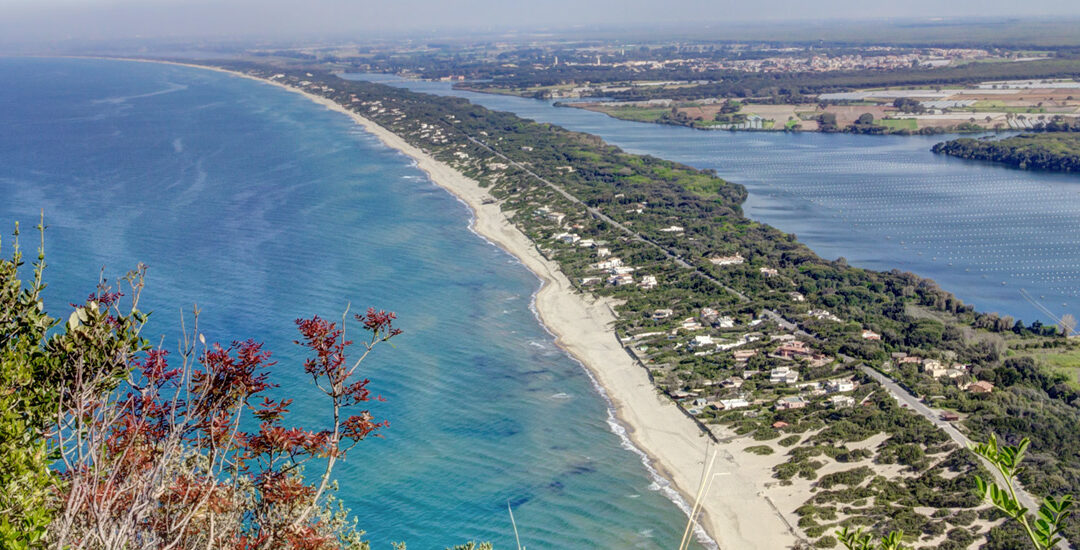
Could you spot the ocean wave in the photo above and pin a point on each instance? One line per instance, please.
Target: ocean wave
(659, 483)
(116, 100)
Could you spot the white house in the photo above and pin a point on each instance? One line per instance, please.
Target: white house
(556, 217)
(783, 375)
(737, 403)
(661, 314)
(842, 401)
(701, 340)
(742, 356)
(934, 368)
(839, 386)
(610, 263)
(733, 382)
(823, 314)
(791, 402)
(690, 324)
(727, 260)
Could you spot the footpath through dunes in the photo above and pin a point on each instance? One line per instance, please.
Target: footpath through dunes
(736, 514)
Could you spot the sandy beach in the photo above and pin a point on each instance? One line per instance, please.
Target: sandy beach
(737, 514)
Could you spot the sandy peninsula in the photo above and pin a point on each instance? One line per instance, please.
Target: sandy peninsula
(737, 513)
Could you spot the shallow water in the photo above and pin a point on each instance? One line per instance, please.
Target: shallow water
(262, 207)
(982, 231)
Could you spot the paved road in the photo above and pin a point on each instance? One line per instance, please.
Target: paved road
(792, 327)
(906, 398)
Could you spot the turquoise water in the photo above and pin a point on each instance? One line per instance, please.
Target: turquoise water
(982, 231)
(262, 207)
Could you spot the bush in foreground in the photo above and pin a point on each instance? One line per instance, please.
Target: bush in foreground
(106, 442)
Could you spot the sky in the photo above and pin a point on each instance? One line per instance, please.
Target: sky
(58, 20)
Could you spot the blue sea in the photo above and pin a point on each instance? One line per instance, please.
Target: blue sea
(999, 238)
(262, 207)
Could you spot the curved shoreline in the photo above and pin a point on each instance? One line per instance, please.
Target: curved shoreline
(736, 515)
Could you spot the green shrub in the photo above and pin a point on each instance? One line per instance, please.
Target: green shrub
(763, 450)
(789, 440)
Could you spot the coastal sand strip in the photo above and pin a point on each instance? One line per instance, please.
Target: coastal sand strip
(737, 515)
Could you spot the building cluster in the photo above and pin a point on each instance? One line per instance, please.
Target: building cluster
(607, 269)
(794, 61)
(763, 365)
(957, 373)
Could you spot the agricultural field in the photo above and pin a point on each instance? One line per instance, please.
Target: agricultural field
(1015, 105)
(1063, 362)
(899, 123)
(637, 114)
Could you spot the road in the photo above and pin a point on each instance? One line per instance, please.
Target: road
(792, 327)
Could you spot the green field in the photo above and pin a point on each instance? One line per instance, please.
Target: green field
(1065, 361)
(999, 106)
(899, 123)
(636, 114)
(708, 123)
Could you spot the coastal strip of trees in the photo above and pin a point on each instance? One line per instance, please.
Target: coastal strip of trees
(1050, 151)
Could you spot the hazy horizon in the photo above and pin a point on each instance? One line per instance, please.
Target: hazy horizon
(54, 21)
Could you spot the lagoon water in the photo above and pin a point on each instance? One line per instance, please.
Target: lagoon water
(262, 207)
(983, 232)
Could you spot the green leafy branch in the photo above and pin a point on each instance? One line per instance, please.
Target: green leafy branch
(858, 540)
(1049, 520)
